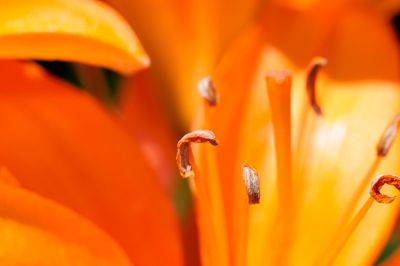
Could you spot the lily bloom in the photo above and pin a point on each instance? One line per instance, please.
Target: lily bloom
(69, 160)
(313, 169)
(76, 189)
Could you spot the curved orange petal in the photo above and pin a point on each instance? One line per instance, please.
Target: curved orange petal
(60, 143)
(84, 31)
(37, 231)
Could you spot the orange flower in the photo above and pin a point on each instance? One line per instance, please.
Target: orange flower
(77, 189)
(314, 170)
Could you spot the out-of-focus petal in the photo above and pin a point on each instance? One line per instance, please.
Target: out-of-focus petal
(303, 5)
(85, 31)
(145, 116)
(353, 56)
(194, 34)
(37, 231)
(388, 8)
(60, 143)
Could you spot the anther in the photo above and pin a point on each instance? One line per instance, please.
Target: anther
(252, 183)
(183, 149)
(378, 183)
(207, 90)
(388, 137)
(313, 70)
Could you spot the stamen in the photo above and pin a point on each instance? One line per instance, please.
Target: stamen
(183, 146)
(207, 90)
(383, 148)
(346, 233)
(378, 183)
(313, 70)
(279, 85)
(252, 183)
(352, 226)
(388, 137)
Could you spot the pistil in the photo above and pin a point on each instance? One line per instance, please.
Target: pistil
(279, 85)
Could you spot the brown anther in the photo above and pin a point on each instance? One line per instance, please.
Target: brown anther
(252, 183)
(207, 91)
(183, 149)
(313, 70)
(378, 183)
(388, 137)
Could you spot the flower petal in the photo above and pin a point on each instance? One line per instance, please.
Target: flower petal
(353, 56)
(60, 143)
(339, 150)
(152, 128)
(195, 34)
(360, 95)
(332, 155)
(84, 31)
(37, 231)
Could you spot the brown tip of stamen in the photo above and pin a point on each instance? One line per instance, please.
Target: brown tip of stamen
(252, 183)
(183, 149)
(378, 183)
(388, 137)
(312, 73)
(207, 91)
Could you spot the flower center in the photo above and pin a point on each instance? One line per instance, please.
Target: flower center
(216, 242)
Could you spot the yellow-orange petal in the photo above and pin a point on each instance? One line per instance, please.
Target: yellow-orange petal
(86, 31)
(82, 158)
(38, 231)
